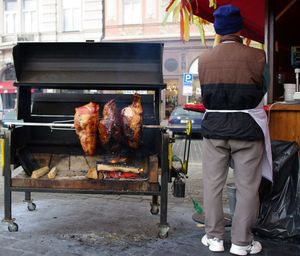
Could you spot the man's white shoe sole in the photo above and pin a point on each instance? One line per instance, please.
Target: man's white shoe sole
(213, 246)
(239, 250)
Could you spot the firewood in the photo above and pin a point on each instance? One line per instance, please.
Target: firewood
(40, 172)
(120, 168)
(52, 173)
(92, 173)
(100, 175)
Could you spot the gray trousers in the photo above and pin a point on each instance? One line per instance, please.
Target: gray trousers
(247, 159)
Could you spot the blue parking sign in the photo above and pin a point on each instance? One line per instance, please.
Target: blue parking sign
(187, 84)
(187, 78)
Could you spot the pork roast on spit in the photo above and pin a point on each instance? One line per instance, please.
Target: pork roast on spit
(110, 128)
(86, 122)
(132, 121)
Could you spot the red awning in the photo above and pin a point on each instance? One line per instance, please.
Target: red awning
(286, 16)
(253, 12)
(7, 87)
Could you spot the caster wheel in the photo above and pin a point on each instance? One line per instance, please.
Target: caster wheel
(13, 227)
(154, 209)
(163, 236)
(31, 207)
(163, 231)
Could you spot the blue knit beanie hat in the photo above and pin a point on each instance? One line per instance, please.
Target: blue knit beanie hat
(228, 20)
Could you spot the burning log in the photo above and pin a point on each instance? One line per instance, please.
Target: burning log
(120, 175)
(108, 167)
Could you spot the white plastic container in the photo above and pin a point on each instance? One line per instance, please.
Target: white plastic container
(289, 91)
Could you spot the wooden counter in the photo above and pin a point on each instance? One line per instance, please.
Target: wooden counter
(284, 122)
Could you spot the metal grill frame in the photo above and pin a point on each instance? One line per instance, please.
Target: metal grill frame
(34, 60)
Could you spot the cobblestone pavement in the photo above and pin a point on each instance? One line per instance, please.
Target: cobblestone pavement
(68, 224)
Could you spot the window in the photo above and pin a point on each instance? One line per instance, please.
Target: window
(132, 11)
(29, 15)
(111, 9)
(9, 72)
(20, 16)
(164, 5)
(150, 9)
(71, 15)
(10, 16)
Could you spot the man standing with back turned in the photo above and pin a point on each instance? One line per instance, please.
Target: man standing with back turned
(234, 130)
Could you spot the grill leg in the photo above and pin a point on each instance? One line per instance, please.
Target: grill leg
(164, 226)
(27, 196)
(7, 201)
(154, 205)
(7, 177)
(30, 205)
(155, 200)
(12, 226)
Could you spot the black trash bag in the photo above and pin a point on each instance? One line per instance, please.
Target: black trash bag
(279, 215)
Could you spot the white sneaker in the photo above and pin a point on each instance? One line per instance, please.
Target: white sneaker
(253, 248)
(214, 244)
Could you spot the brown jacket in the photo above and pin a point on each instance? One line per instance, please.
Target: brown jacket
(231, 78)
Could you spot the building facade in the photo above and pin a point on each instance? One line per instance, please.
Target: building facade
(46, 21)
(142, 20)
(104, 20)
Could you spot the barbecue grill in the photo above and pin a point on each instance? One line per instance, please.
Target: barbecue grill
(55, 78)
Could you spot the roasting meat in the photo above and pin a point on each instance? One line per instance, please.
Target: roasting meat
(86, 121)
(132, 121)
(110, 129)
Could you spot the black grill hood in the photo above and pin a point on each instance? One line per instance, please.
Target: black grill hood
(89, 65)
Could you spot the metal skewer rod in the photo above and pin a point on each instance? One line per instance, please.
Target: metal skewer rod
(154, 126)
(39, 124)
(71, 125)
